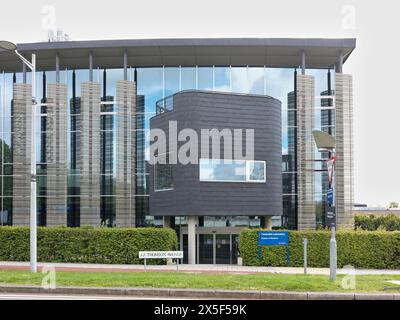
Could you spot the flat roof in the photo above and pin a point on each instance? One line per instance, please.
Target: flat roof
(271, 52)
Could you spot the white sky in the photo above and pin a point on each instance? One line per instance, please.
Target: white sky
(373, 64)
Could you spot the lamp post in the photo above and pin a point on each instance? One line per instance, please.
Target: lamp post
(325, 142)
(9, 46)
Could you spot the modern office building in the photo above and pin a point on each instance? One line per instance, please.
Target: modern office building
(93, 129)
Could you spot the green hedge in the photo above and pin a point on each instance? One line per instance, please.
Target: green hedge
(389, 222)
(86, 245)
(360, 249)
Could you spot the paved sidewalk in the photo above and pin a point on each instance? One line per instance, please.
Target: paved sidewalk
(202, 268)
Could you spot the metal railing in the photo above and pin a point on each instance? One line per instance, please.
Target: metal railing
(165, 105)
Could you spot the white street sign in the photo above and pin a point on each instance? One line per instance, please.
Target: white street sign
(160, 254)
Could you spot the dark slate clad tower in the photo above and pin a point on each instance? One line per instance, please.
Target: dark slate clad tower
(208, 110)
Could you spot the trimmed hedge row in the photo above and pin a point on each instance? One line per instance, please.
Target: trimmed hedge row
(87, 245)
(360, 249)
(389, 222)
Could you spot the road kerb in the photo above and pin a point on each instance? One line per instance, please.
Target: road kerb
(197, 293)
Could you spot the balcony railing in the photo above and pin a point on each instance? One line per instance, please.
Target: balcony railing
(165, 105)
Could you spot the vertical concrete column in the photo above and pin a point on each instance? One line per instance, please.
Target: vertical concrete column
(344, 152)
(23, 73)
(90, 66)
(167, 222)
(267, 223)
(125, 65)
(56, 154)
(192, 222)
(339, 64)
(306, 215)
(303, 62)
(90, 154)
(125, 153)
(21, 150)
(57, 68)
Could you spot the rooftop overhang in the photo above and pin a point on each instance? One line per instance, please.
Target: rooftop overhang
(272, 52)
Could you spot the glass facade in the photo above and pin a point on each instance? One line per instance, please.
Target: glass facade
(153, 84)
(219, 170)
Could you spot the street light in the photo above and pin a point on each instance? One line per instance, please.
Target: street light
(9, 46)
(326, 143)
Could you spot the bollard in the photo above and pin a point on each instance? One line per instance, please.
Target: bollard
(305, 254)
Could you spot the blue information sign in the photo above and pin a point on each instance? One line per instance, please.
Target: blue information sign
(329, 196)
(273, 238)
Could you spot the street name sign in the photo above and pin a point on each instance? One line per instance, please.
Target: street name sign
(160, 254)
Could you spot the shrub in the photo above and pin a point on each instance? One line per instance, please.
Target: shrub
(87, 245)
(360, 249)
(389, 222)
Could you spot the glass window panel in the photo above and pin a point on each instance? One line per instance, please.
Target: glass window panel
(5, 124)
(171, 81)
(41, 169)
(291, 117)
(280, 85)
(106, 149)
(142, 209)
(150, 85)
(321, 81)
(7, 169)
(205, 78)
(222, 79)
(75, 152)
(112, 76)
(107, 211)
(239, 80)
(142, 183)
(6, 148)
(73, 213)
(232, 170)
(74, 182)
(188, 78)
(289, 183)
(255, 79)
(41, 185)
(107, 185)
(7, 84)
(6, 210)
(221, 170)
(256, 170)
(239, 221)
(6, 185)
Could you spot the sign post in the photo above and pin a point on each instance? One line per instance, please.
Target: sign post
(305, 254)
(274, 238)
(331, 217)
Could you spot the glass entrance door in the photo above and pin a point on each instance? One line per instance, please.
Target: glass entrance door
(223, 249)
(212, 248)
(206, 248)
(235, 248)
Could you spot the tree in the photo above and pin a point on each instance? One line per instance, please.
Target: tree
(393, 205)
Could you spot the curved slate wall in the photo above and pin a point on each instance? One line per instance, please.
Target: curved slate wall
(207, 110)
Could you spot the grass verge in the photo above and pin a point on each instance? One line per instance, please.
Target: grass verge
(270, 282)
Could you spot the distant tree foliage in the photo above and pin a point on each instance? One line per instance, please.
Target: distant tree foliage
(393, 205)
(389, 222)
